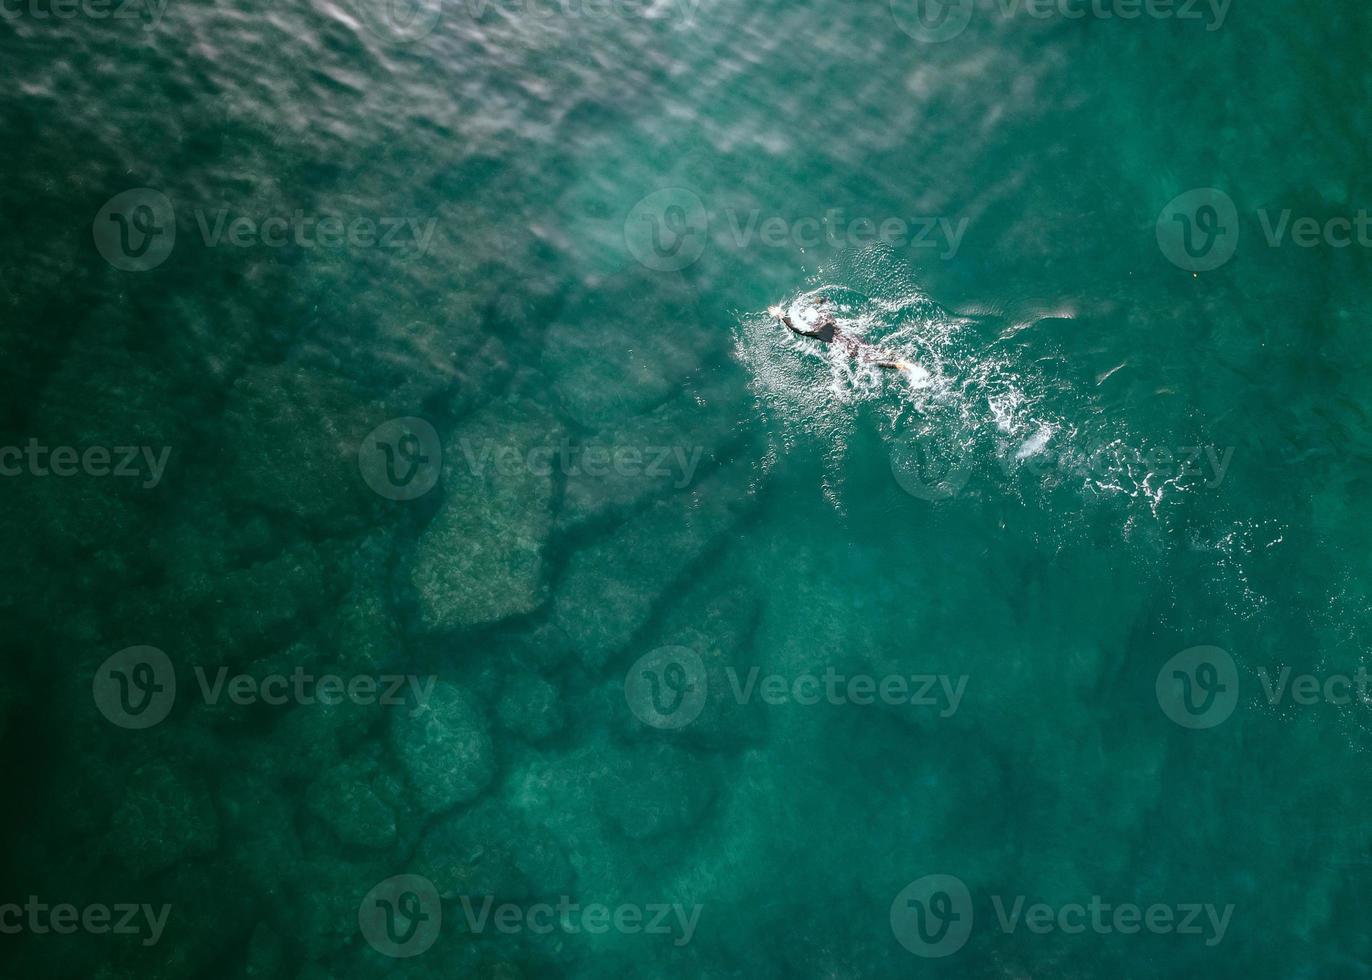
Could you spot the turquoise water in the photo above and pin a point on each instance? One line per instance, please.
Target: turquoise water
(442, 351)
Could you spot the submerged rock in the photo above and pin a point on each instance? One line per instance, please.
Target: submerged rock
(611, 586)
(445, 748)
(346, 801)
(655, 789)
(529, 707)
(625, 346)
(7, 697)
(104, 397)
(264, 604)
(663, 452)
(490, 850)
(542, 647)
(290, 444)
(259, 820)
(481, 557)
(365, 631)
(266, 958)
(306, 739)
(164, 818)
(715, 619)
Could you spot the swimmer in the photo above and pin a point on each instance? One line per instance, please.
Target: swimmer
(821, 325)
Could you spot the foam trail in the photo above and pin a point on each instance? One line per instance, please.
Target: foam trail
(930, 375)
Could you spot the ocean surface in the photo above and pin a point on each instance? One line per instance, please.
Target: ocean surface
(427, 554)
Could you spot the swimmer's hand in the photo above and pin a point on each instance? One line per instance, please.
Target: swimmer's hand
(916, 374)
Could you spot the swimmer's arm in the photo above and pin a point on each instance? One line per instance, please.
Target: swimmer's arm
(895, 364)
